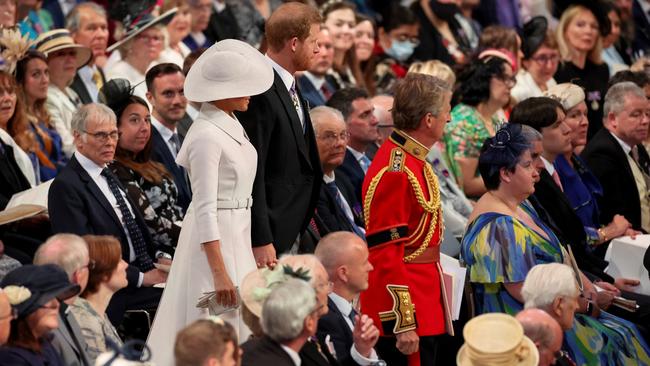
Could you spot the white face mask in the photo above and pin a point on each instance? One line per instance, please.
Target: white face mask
(400, 50)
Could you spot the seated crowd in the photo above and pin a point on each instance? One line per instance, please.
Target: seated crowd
(309, 167)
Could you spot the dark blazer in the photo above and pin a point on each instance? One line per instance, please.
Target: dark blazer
(69, 341)
(334, 324)
(609, 164)
(353, 172)
(314, 354)
(17, 356)
(77, 205)
(313, 96)
(222, 25)
(80, 88)
(193, 46)
(161, 154)
(54, 8)
(288, 179)
(183, 126)
(566, 224)
(641, 28)
(264, 351)
(332, 218)
(12, 179)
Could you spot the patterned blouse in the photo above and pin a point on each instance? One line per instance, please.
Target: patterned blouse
(156, 203)
(96, 329)
(464, 136)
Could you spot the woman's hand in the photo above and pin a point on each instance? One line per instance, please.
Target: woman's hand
(618, 227)
(225, 290)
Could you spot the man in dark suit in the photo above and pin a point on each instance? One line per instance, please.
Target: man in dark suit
(619, 160)
(165, 93)
(345, 257)
(58, 10)
(314, 84)
(85, 198)
(337, 208)
(88, 25)
(200, 11)
(641, 21)
(357, 111)
(222, 24)
(283, 335)
(287, 183)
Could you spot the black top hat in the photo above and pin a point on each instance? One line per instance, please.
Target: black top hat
(30, 287)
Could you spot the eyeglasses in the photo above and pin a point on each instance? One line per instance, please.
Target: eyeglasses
(147, 38)
(543, 60)
(404, 38)
(510, 81)
(13, 314)
(331, 138)
(329, 285)
(560, 355)
(90, 265)
(103, 136)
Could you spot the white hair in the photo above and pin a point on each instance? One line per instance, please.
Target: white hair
(93, 111)
(286, 308)
(617, 94)
(546, 282)
(73, 20)
(317, 114)
(68, 251)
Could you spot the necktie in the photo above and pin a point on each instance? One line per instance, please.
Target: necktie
(97, 79)
(556, 179)
(365, 163)
(338, 197)
(352, 315)
(296, 102)
(139, 247)
(176, 143)
(326, 91)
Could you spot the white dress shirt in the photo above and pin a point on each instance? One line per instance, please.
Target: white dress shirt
(550, 168)
(295, 357)
(86, 75)
(288, 80)
(345, 307)
(165, 133)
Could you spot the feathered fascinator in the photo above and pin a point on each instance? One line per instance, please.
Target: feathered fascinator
(257, 285)
(115, 92)
(503, 150)
(14, 46)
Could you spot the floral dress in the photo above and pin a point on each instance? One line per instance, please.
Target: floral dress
(464, 136)
(499, 249)
(156, 203)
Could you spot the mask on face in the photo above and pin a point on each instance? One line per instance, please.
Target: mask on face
(444, 11)
(400, 50)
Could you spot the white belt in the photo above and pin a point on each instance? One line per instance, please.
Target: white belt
(235, 203)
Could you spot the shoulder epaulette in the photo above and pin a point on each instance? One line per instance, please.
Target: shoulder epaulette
(396, 162)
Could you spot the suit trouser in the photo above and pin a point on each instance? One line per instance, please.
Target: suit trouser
(132, 298)
(426, 355)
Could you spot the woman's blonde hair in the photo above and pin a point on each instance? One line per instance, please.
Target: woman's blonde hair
(565, 49)
(435, 68)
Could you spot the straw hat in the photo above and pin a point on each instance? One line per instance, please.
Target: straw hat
(568, 94)
(496, 339)
(138, 24)
(60, 39)
(228, 69)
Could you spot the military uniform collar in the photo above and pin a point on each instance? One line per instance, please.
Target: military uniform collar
(409, 144)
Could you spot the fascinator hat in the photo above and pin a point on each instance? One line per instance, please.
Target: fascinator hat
(258, 284)
(534, 33)
(496, 339)
(503, 150)
(568, 94)
(136, 16)
(228, 69)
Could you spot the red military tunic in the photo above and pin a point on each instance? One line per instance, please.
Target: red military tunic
(403, 214)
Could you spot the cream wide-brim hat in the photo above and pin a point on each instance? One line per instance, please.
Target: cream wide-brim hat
(60, 39)
(228, 69)
(499, 338)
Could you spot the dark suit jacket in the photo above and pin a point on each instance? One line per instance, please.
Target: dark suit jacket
(77, 205)
(311, 356)
(222, 25)
(68, 340)
(353, 172)
(54, 8)
(566, 224)
(161, 154)
(609, 164)
(333, 324)
(289, 173)
(79, 87)
(264, 351)
(312, 95)
(193, 46)
(331, 216)
(17, 356)
(641, 28)
(183, 126)
(12, 179)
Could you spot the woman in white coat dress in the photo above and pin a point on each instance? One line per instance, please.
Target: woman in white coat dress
(214, 250)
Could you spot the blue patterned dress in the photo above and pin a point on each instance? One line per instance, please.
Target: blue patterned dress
(499, 249)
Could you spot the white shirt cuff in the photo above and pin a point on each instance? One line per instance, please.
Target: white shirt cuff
(140, 279)
(363, 361)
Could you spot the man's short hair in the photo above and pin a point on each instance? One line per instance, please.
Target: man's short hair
(191, 58)
(73, 19)
(415, 96)
(96, 111)
(342, 100)
(546, 282)
(332, 250)
(203, 339)
(68, 251)
(286, 308)
(640, 78)
(317, 113)
(158, 71)
(616, 95)
(290, 20)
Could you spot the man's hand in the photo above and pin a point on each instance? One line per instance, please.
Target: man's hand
(626, 284)
(365, 335)
(408, 342)
(153, 277)
(608, 287)
(265, 256)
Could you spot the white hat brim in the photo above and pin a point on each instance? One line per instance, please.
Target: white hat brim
(252, 73)
(462, 359)
(163, 18)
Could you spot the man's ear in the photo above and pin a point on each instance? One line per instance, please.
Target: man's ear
(556, 306)
(294, 43)
(149, 97)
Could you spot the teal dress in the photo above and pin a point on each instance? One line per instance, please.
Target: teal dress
(499, 249)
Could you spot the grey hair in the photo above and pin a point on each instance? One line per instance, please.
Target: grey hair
(316, 115)
(68, 251)
(73, 20)
(546, 282)
(95, 111)
(286, 308)
(334, 249)
(616, 95)
(530, 134)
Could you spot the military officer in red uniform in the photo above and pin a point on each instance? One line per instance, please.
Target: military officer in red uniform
(403, 215)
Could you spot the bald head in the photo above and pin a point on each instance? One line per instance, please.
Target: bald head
(383, 104)
(5, 317)
(544, 331)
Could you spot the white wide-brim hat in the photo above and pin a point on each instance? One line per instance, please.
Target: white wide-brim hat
(496, 339)
(228, 69)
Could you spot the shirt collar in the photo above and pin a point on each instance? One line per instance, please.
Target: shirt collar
(549, 167)
(219, 6)
(285, 75)
(357, 155)
(165, 132)
(329, 179)
(87, 71)
(89, 166)
(344, 306)
(626, 148)
(315, 80)
(293, 354)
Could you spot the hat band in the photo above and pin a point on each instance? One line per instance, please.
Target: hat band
(52, 37)
(509, 358)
